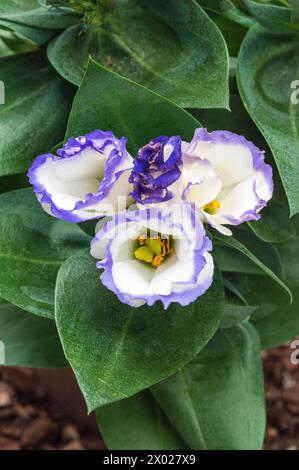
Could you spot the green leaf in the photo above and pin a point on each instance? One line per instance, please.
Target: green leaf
(106, 100)
(29, 341)
(233, 33)
(217, 400)
(236, 120)
(30, 85)
(229, 9)
(234, 314)
(266, 93)
(275, 226)
(295, 10)
(171, 47)
(275, 320)
(137, 423)
(229, 260)
(129, 349)
(257, 290)
(12, 43)
(275, 18)
(232, 291)
(233, 243)
(8, 183)
(283, 324)
(33, 246)
(29, 13)
(37, 35)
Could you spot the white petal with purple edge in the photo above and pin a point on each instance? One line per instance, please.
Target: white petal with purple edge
(242, 183)
(87, 179)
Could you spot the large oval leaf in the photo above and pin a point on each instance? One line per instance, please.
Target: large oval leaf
(266, 93)
(108, 101)
(137, 423)
(171, 47)
(30, 13)
(217, 401)
(29, 341)
(117, 350)
(30, 84)
(33, 246)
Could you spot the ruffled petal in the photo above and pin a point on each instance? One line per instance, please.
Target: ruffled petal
(78, 183)
(246, 180)
(229, 154)
(157, 167)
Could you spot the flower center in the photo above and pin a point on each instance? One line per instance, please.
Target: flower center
(153, 250)
(211, 207)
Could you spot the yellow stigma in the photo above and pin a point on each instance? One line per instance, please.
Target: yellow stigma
(211, 207)
(152, 250)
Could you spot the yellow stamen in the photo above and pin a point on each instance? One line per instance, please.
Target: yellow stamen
(157, 260)
(142, 240)
(144, 254)
(152, 250)
(155, 245)
(211, 207)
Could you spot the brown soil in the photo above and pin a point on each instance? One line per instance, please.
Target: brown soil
(29, 420)
(282, 394)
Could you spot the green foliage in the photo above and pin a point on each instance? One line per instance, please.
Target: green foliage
(33, 246)
(108, 101)
(170, 47)
(275, 18)
(217, 400)
(29, 340)
(30, 83)
(30, 13)
(137, 423)
(266, 93)
(187, 377)
(234, 243)
(128, 349)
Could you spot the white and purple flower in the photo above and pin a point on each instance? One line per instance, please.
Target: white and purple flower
(160, 251)
(88, 178)
(150, 255)
(226, 177)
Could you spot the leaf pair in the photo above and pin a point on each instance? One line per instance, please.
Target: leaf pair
(215, 402)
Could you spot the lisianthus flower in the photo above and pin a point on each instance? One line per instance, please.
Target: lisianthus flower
(88, 178)
(225, 176)
(149, 255)
(157, 167)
